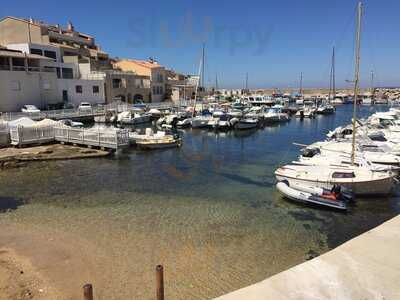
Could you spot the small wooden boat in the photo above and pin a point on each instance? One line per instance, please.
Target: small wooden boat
(160, 143)
(319, 196)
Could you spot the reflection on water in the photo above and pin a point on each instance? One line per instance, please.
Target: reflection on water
(208, 211)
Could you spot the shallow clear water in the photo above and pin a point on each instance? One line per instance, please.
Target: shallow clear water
(208, 211)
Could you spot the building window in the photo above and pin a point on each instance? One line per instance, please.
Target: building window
(160, 77)
(36, 51)
(161, 90)
(78, 89)
(50, 54)
(67, 73)
(154, 90)
(116, 83)
(96, 89)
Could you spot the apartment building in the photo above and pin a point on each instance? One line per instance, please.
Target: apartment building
(23, 80)
(151, 69)
(69, 41)
(122, 86)
(180, 86)
(65, 50)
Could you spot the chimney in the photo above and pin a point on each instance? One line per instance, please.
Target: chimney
(70, 27)
(31, 20)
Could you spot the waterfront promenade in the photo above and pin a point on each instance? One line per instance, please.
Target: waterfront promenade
(366, 267)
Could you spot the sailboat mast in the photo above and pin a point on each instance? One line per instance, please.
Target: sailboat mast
(301, 83)
(202, 68)
(333, 73)
(198, 82)
(372, 85)
(356, 79)
(247, 81)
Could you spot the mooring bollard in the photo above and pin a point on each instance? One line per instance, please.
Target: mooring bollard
(160, 282)
(88, 292)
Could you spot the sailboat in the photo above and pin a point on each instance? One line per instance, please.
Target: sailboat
(200, 121)
(369, 100)
(300, 100)
(326, 108)
(359, 179)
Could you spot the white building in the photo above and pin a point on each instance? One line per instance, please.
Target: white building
(71, 87)
(24, 81)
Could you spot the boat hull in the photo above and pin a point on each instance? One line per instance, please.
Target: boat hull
(304, 197)
(364, 188)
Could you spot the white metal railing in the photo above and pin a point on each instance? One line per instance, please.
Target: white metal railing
(4, 134)
(21, 135)
(107, 139)
(76, 113)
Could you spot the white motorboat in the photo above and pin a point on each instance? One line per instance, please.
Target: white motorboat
(370, 152)
(151, 140)
(235, 113)
(246, 123)
(71, 123)
(306, 112)
(313, 157)
(360, 180)
(367, 101)
(313, 195)
(337, 101)
(325, 109)
(200, 121)
(158, 143)
(184, 123)
(133, 118)
(274, 115)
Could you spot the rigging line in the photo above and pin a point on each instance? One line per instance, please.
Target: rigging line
(371, 41)
(339, 40)
(341, 37)
(351, 62)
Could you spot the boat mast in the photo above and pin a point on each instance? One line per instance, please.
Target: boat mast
(372, 85)
(247, 82)
(333, 73)
(198, 82)
(356, 78)
(301, 83)
(202, 75)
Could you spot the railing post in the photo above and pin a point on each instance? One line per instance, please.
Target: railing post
(160, 282)
(88, 292)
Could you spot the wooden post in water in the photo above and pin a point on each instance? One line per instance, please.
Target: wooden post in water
(160, 282)
(88, 292)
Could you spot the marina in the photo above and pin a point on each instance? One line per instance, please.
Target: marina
(216, 192)
(141, 178)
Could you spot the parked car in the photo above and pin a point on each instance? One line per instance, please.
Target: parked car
(85, 106)
(30, 109)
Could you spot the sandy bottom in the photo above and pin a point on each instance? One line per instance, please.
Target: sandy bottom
(20, 280)
(36, 265)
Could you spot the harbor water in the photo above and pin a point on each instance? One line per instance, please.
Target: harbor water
(208, 211)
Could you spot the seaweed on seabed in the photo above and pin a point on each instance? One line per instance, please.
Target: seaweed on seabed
(9, 203)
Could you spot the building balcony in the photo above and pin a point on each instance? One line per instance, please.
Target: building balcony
(5, 67)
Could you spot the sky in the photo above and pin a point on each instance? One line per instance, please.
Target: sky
(273, 41)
